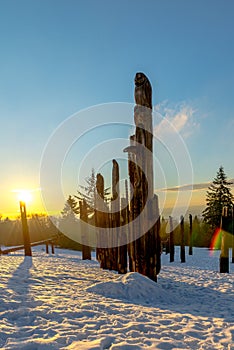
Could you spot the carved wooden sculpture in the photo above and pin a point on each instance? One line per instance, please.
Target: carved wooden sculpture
(143, 90)
(143, 234)
(100, 222)
(115, 213)
(145, 250)
(120, 251)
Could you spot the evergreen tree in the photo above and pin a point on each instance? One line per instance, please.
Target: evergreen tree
(70, 208)
(89, 193)
(218, 196)
(67, 221)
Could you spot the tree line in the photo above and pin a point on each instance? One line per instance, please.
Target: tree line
(41, 227)
(219, 196)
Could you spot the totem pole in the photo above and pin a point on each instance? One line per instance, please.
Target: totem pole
(118, 251)
(144, 232)
(115, 214)
(101, 224)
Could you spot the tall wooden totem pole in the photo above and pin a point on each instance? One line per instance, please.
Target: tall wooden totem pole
(144, 247)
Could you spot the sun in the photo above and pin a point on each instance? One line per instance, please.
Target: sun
(24, 195)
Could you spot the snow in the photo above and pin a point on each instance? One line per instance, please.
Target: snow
(61, 302)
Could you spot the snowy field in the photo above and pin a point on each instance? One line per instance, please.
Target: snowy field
(62, 302)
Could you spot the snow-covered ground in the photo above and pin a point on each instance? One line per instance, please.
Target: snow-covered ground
(62, 302)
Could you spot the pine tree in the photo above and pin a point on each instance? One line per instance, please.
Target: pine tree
(89, 192)
(218, 196)
(70, 208)
(67, 221)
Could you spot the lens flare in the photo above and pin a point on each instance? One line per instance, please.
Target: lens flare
(216, 240)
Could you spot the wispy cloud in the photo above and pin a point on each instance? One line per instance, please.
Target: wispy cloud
(195, 187)
(178, 118)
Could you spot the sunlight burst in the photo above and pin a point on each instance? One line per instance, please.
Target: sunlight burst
(24, 195)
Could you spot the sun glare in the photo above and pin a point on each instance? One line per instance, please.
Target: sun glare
(24, 195)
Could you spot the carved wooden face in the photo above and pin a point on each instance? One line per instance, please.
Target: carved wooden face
(140, 79)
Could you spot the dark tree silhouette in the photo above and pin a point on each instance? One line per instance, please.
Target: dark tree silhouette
(70, 208)
(89, 193)
(218, 196)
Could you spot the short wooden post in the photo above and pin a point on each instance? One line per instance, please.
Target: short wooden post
(182, 247)
(47, 248)
(232, 242)
(86, 253)
(172, 247)
(52, 247)
(233, 234)
(153, 248)
(224, 255)
(26, 238)
(167, 244)
(190, 234)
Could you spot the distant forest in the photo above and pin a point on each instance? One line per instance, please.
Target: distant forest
(41, 228)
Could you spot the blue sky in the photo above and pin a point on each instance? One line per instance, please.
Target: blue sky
(58, 57)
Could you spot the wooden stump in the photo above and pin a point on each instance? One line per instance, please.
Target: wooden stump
(171, 240)
(86, 251)
(25, 231)
(182, 247)
(190, 234)
(224, 254)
